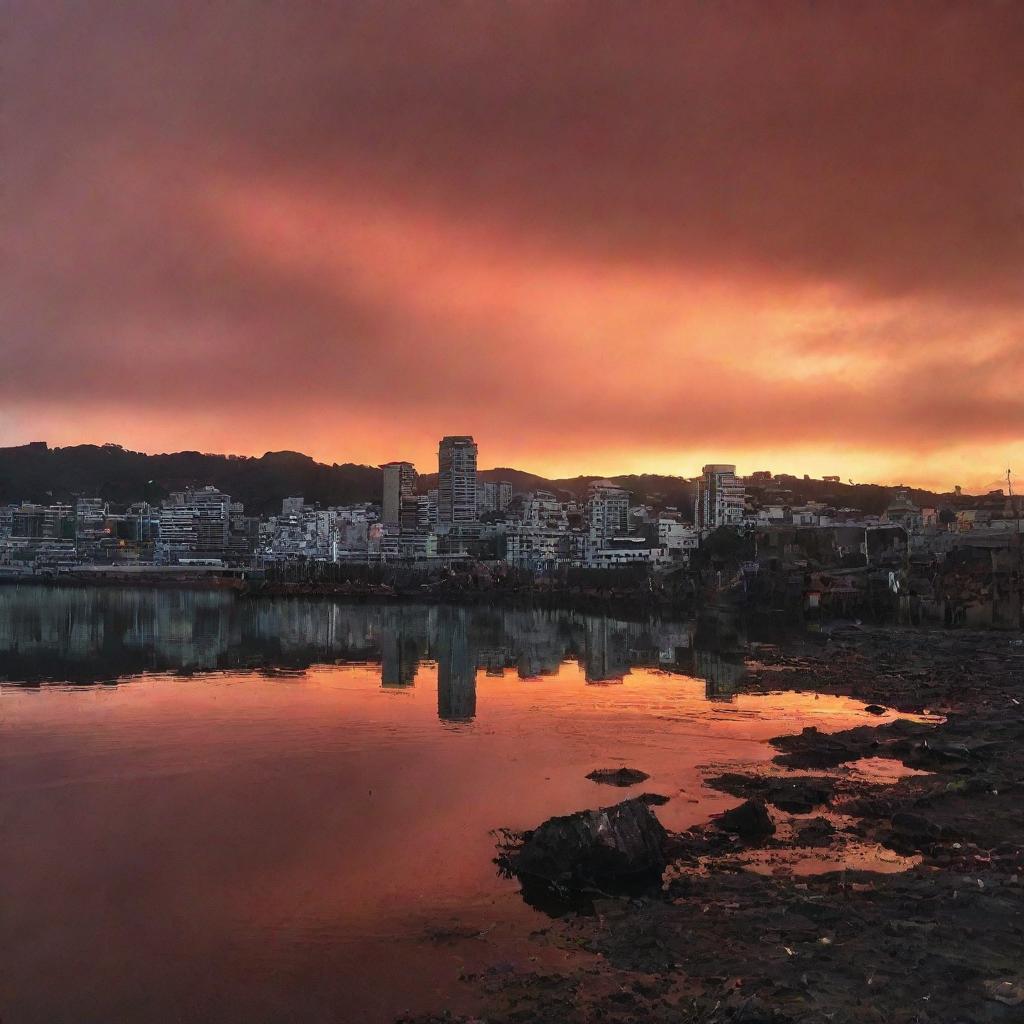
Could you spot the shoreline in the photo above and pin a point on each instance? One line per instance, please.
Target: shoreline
(740, 933)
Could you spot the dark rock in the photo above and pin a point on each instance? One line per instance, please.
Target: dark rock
(796, 795)
(875, 709)
(654, 799)
(618, 842)
(750, 821)
(799, 796)
(817, 832)
(811, 748)
(618, 776)
(915, 827)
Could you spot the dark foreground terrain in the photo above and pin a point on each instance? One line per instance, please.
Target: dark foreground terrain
(843, 890)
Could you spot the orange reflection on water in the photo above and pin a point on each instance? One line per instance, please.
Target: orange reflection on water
(245, 846)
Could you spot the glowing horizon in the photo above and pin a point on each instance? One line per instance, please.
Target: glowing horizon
(683, 468)
(786, 239)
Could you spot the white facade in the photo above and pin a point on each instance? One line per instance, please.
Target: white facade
(607, 509)
(720, 497)
(676, 536)
(615, 557)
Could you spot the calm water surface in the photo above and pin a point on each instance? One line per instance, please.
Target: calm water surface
(281, 810)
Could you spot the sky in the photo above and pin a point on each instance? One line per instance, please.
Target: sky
(601, 237)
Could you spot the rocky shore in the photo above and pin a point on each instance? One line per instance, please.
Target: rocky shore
(873, 875)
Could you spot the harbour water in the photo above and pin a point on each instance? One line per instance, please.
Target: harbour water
(231, 810)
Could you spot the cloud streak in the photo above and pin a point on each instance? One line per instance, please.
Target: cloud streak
(597, 237)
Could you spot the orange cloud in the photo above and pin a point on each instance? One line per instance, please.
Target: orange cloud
(777, 236)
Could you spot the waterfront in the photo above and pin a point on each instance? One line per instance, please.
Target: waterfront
(256, 811)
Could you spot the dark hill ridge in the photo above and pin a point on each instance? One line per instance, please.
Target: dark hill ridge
(36, 472)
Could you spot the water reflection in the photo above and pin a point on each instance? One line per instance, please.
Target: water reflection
(236, 848)
(98, 635)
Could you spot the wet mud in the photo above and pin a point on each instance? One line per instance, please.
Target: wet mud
(871, 875)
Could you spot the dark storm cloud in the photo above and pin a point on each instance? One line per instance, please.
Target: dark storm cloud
(872, 148)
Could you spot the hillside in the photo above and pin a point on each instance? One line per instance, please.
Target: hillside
(36, 472)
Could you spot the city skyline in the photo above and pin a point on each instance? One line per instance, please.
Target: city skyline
(488, 527)
(754, 233)
(990, 479)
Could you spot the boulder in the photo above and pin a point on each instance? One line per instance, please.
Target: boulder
(620, 842)
(750, 821)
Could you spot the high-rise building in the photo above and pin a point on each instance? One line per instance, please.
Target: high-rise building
(426, 511)
(409, 513)
(607, 509)
(720, 497)
(59, 522)
(208, 510)
(399, 483)
(456, 487)
(177, 534)
(213, 519)
(486, 497)
(493, 497)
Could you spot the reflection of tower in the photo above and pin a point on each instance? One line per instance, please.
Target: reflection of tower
(606, 653)
(722, 674)
(456, 667)
(399, 660)
(718, 653)
(401, 645)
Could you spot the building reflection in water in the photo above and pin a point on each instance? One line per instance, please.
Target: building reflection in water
(89, 635)
(717, 653)
(400, 649)
(456, 666)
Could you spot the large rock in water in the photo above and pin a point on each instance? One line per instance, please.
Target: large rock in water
(612, 843)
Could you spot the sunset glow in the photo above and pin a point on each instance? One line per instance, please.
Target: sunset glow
(348, 232)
